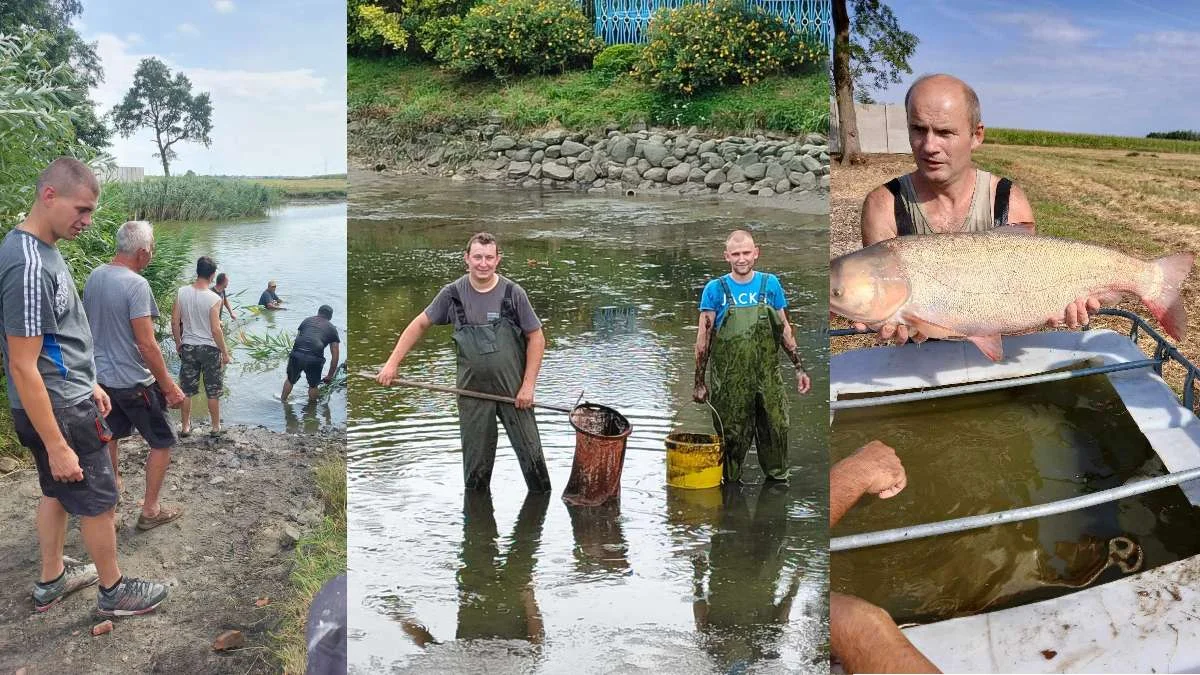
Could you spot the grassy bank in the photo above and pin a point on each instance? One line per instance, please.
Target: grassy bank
(1058, 139)
(193, 198)
(319, 557)
(331, 187)
(412, 96)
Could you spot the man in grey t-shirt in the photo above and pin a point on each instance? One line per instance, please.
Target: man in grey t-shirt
(47, 349)
(500, 345)
(129, 364)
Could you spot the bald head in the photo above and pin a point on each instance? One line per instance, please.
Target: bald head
(67, 175)
(739, 237)
(948, 89)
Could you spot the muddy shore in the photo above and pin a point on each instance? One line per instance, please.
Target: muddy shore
(247, 497)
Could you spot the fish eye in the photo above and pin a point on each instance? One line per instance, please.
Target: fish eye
(836, 292)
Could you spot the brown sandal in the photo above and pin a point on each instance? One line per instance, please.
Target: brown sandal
(165, 515)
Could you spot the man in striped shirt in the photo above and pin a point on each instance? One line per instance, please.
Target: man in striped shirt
(58, 409)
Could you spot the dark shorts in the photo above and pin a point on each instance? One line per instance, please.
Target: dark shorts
(88, 435)
(197, 359)
(309, 365)
(143, 408)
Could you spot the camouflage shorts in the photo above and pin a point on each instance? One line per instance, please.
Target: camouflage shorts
(197, 359)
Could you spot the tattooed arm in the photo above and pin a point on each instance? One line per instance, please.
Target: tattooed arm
(803, 381)
(704, 335)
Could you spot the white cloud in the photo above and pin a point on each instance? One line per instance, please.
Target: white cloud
(188, 29)
(284, 122)
(133, 38)
(1045, 27)
(1170, 39)
(223, 6)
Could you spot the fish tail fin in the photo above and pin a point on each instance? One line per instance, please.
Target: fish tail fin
(1166, 305)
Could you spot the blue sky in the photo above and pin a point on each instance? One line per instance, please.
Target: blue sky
(1125, 67)
(276, 72)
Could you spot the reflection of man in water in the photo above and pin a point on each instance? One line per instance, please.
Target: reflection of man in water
(743, 323)
(308, 353)
(500, 344)
(862, 636)
(739, 615)
(495, 594)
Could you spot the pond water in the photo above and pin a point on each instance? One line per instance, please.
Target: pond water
(302, 248)
(663, 580)
(992, 452)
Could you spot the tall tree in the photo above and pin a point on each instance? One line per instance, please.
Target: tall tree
(165, 104)
(63, 45)
(875, 52)
(843, 86)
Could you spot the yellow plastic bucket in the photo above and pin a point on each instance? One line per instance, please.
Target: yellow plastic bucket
(693, 460)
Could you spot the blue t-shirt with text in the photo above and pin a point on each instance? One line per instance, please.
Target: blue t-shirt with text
(744, 295)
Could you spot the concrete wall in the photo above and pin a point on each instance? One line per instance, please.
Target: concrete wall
(882, 128)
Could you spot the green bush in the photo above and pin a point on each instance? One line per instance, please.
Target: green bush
(509, 37)
(698, 47)
(617, 59)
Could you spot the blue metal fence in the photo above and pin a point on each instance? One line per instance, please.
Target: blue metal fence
(625, 21)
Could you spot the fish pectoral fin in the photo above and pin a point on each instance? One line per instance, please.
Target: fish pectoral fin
(928, 329)
(990, 345)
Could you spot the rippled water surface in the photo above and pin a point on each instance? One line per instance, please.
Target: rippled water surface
(992, 452)
(664, 580)
(302, 247)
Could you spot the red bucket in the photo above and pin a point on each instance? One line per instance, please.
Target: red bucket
(600, 435)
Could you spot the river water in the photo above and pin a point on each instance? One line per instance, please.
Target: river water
(302, 248)
(664, 580)
(992, 452)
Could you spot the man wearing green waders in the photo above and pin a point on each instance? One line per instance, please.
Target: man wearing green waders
(499, 343)
(743, 324)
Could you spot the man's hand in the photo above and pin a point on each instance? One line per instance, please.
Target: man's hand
(225, 358)
(803, 381)
(525, 397)
(700, 393)
(232, 316)
(173, 394)
(102, 402)
(64, 464)
(893, 332)
(1078, 313)
(879, 469)
(327, 379)
(179, 349)
(387, 374)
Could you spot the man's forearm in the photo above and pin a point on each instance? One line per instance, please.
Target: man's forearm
(219, 337)
(845, 489)
(31, 389)
(153, 357)
(703, 343)
(534, 351)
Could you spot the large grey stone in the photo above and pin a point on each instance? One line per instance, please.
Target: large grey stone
(725, 188)
(656, 174)
(810, 163)
(518, 169)
(696, 175)
(816, 139)
(714, 178)
(679, 174)
(799, 179)
(670, 163)
(766, 192)
(557, 171)
(535, 171)
(585, 173)
(572, 149)
(553, 152)
(693, 147)
(643, 166)
(655, 153)
(748, 159)
(539, 145)
(755, 171)
(502, 143)
(741, 187)
(522, 155)
(538, 156)
(630, 176)
(554, 136)
(783, 186)
(735, 174)
(776, 171)
(706, 146)
(571, 162)
(823, 182)
(679, 153)
(585, 156)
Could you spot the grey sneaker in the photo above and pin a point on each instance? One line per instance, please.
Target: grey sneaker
(131, 597)
(75, 576)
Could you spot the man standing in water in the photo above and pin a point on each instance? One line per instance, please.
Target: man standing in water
(268, 298)
(308, 353)
(196, 325)
(743, 322)
(500, 344)
(221, 287)
(129, 364)
(48, 358)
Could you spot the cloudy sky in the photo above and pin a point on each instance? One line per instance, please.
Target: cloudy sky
(276, 72)
(1125, 67)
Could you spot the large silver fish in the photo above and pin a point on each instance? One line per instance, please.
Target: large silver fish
(978, 286)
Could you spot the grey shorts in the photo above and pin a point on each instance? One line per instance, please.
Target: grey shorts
(196, 360)
(84, 428)
(143, 408)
